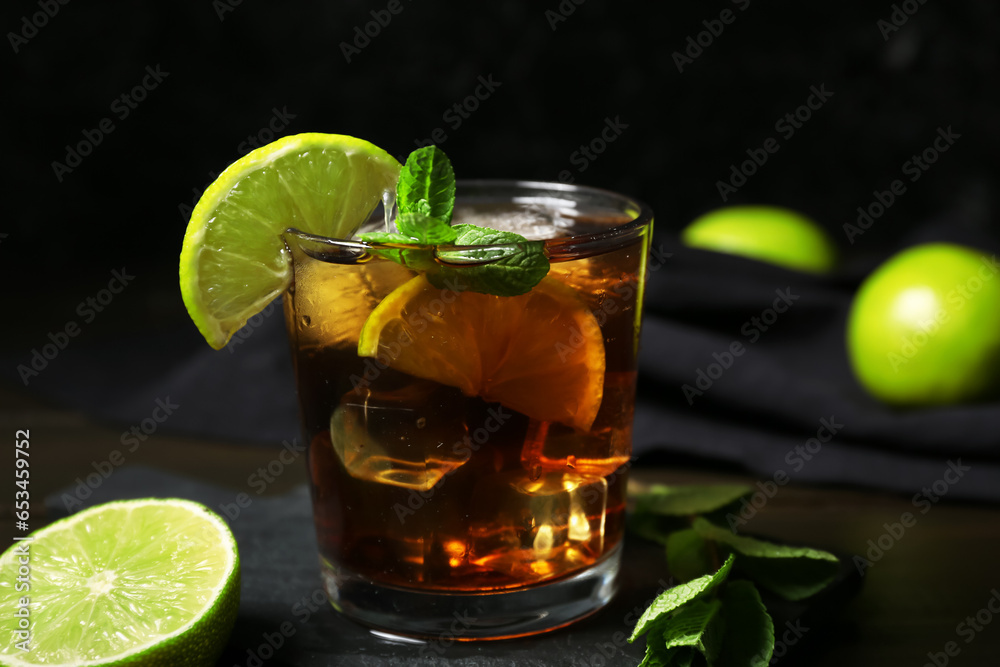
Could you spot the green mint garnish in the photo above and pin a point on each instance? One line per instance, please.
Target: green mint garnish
(674, 598)
(697, 625)
(427, 184)
(717, 618)
(386, 237)
(425, 196)
(511, 269)
(749, 636)
(793, 573)
(688, 500)
(418, 259)
(661, 510)
(425, 229)
(688, 554)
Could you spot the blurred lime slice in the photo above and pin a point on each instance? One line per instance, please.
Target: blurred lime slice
(764, 233)
(135, 582)
(234, 261)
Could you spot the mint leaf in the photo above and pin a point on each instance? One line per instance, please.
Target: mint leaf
(698, 625)
(792, 579)
(749, 630)
(793, 573)
(688, 556)
(671, 599)
(662, 510)
(418, 259)
(423, 228)
(384, 237)
(427, 184)
(511, 269)
(759, 548)
(657, 655)
(397, 255)
(688, 500)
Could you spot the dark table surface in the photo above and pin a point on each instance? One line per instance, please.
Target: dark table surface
(929, 585)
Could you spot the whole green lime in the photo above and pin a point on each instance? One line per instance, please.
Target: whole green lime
(766, 233)
(924, 328)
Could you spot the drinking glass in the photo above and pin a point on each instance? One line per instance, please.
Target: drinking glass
(468, 452)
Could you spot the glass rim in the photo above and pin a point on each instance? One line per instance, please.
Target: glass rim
(574, 245)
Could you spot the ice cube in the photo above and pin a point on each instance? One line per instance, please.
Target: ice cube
(533, 221)
(408, 437)
(553, 447)
(537, 526)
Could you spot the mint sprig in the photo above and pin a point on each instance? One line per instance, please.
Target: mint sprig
(717, 618)
(500, 263)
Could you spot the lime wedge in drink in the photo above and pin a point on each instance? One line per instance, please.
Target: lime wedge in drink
(146, 582)
(234, 261)
(540, 353)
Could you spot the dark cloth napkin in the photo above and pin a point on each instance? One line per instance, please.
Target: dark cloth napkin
(741, 363)
(725, 375)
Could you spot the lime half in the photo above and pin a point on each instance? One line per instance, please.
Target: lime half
(137, 582)
(234, 261)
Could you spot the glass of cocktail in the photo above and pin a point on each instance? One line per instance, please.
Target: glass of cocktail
(466, 371)
(468, 451)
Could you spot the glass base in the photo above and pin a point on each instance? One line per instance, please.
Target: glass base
(444, 618)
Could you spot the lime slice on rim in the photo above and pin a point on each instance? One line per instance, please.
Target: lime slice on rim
(234, 261)
(136, 582)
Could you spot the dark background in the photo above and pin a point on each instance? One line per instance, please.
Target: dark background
(234, 70)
